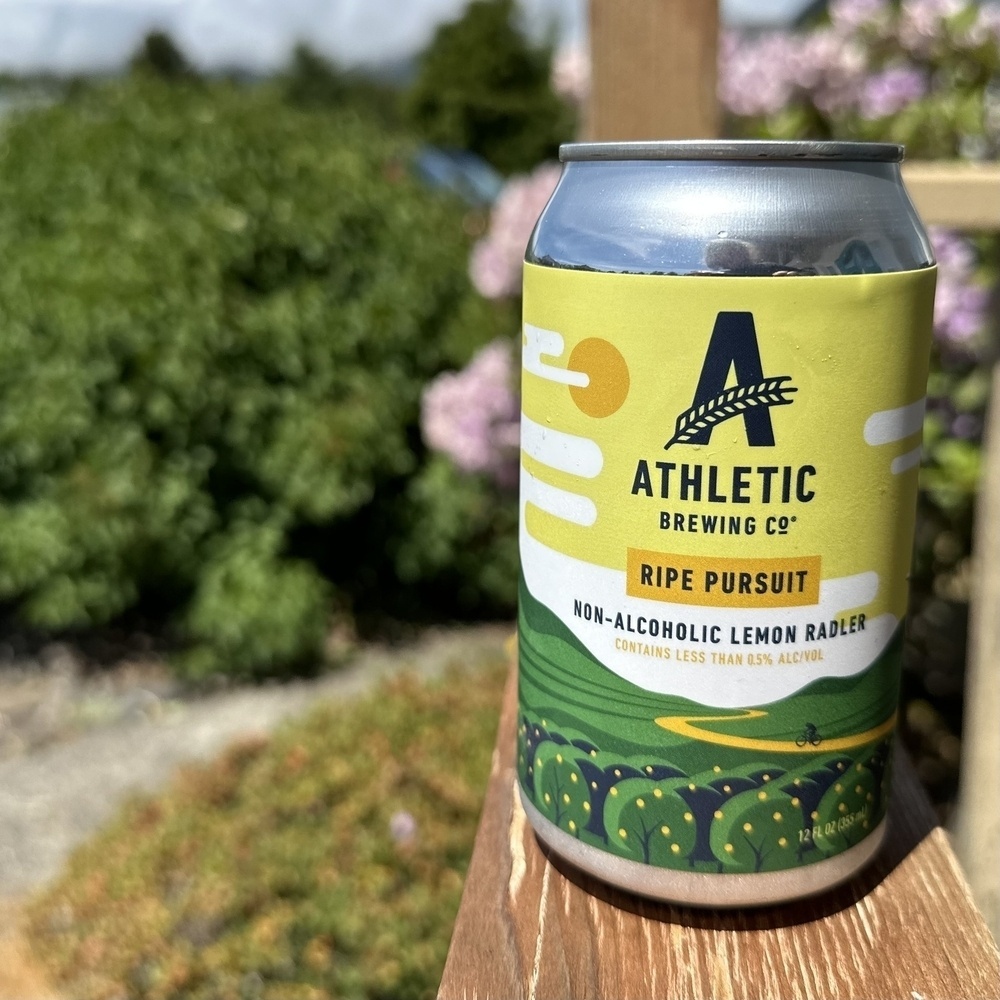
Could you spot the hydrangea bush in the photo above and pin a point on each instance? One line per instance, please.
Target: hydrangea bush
(472, 416)
(495, 266)
(919, 72)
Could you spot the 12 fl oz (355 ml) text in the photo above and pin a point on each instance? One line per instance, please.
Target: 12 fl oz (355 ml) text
(831, 827)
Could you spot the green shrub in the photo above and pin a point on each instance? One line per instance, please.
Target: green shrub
(327, 862)
(311, 81)
(218, 313)
(482, 86)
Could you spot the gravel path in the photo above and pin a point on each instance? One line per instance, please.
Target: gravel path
(52, 797)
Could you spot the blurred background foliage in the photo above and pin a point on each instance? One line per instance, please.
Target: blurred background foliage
(481, 87)
(327, 861)
(220, 307)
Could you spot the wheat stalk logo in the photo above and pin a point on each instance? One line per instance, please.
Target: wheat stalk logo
(728, 404)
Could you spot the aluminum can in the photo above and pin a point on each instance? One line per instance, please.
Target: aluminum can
(725, 356)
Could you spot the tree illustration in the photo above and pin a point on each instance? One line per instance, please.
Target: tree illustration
(707, 792)
(602, 779)
(562, 793)
(648, 821)
(806, 789)
(757, 830)
(879, 762)
(604, 771)
(530, 736)
(702, 801)
(847, 809)
(525, 770)
(658, 772)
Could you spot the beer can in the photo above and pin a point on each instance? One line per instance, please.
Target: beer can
(725, 351)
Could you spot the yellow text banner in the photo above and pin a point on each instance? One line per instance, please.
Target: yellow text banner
(715, 581)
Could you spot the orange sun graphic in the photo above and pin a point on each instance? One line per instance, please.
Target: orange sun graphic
(609, 377)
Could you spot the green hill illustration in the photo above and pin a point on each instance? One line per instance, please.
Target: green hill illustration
(617, 765)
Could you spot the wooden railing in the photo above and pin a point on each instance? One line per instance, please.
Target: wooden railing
(908, 927)
(959, 195)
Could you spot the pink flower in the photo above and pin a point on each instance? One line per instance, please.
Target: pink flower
(495, 264)
(494, 273)
(403, 828)
(967, 426)
(959, 310)
(960, 305)
(571, 74)
(756, 75)
(472, 416)
(892, 90)
(922, 23)
(985, 29)
(953, 253)
(762, 75)
(831, 69)
(850, 15)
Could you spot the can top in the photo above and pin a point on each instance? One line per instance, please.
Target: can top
(733, 149)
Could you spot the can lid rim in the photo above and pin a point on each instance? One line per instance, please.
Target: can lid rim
(733, 149)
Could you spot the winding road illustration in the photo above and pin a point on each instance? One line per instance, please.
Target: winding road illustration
(684, 725)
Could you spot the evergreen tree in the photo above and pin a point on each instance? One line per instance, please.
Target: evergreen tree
(313, 82)
(482, 86)
(160, 56)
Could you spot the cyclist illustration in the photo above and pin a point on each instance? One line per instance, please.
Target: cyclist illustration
(809, 735)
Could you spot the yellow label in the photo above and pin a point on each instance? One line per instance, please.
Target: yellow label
(723, 457)
(721, 582)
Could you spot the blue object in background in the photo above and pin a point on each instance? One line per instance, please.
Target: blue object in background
(767, 13)
(460, 172)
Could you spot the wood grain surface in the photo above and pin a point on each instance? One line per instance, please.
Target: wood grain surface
(530, 927)
(653, 64)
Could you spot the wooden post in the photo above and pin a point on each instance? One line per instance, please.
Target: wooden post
(977, 819)
(654, 69)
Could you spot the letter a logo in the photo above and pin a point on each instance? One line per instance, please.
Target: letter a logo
(733, 346)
